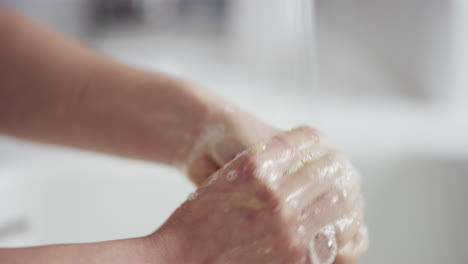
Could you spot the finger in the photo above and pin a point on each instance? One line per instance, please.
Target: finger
(296, 139)
(347, 227)
(355, 248)
(200, 169)
(317, 223)
(329, 174)
(269, 156)
(326, 248)
(282, 151)
(313, 179)
(226, 149)
(272, 158)
(238, 139)
(325, 210)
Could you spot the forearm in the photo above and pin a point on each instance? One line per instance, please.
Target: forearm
(54, 90)
(136, 251)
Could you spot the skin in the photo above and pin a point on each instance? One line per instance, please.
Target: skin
(251, 218)
(53, 90)
(56, 91)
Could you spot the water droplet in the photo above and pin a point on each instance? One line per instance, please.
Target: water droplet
(211, 179)
(306, 145)
(317, 253)
(301, 230)
(334, 199)
(285, 156)
(192, 196)
(232, 175)
(266, 171)
(294, 203)
(343, 223)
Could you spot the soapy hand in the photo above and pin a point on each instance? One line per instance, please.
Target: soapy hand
(225, 134)
(292, 199)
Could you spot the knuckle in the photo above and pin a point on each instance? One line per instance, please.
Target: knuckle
(251, 164)
(310, 132)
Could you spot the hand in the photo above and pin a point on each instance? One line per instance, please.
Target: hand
(226, 133)
(290, 200)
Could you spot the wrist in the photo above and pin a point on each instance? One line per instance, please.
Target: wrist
(167, 245)
(205, 118)
(157, 117)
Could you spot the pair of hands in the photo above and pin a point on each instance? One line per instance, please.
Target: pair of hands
(289, 199)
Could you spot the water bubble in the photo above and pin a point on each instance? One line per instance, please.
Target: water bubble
(334, 199)
(211, 179)
(345, 193)
(232, 175)
(284, 156)
(317, 253)
(343, 223)
(301, 230)
(317, 211)
(192, 196)
(294, 203)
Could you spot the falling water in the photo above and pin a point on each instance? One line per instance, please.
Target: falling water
(303, 71)
(304, 74)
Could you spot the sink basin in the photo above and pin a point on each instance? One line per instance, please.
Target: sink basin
(416, 210)
(416, 205)
(57, 195)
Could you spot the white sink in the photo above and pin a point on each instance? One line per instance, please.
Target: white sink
(416, 205)
(61, 196)
(417, 210)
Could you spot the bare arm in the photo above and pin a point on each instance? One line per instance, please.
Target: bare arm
(137, 250)
(54, 90)
(309, 214)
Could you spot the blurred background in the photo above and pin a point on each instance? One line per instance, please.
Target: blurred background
(386, 80)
